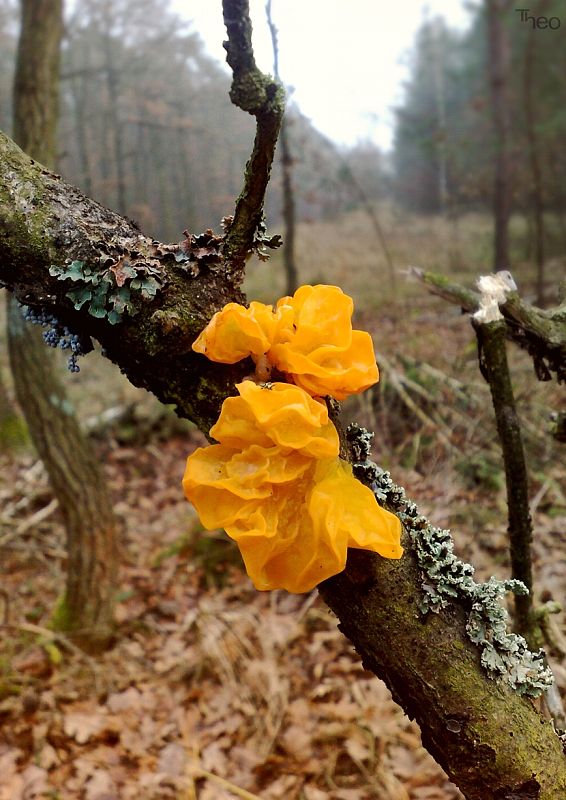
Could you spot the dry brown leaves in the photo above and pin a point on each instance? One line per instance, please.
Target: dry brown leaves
(214, 691)
(209, 693)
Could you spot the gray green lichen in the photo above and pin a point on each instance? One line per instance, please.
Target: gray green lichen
(446, 578)
(109, 291)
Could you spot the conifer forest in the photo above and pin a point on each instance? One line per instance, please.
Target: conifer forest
(282, 412)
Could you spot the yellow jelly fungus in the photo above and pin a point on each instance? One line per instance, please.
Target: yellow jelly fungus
(237, 332)
(277, 486)
(308, 337)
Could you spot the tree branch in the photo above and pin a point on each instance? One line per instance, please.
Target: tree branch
(264, 98)
(495, 369)
(491, 741)
(542, 333)
(45, 223)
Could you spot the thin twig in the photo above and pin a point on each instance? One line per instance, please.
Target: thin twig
(542, 333)
(261, 96)
(39, 516)
(292, 279)
(228, 785)
(495, 369)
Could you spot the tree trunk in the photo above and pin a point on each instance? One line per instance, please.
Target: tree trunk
(288, 212)
(12, 427)
(289, 263)
(5, 405)
(86, 610)
(498, 72)
(77, 481)
(536, 193)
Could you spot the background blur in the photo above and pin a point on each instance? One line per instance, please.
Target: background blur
(147, 126)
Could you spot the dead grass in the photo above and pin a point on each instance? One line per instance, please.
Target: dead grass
(346, 251)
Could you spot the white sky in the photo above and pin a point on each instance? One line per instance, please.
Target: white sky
(346, 59)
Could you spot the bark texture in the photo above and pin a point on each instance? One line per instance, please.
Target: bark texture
(482, 733)
(86, 609)
(491, 741)
(493, 362)
(264, 98)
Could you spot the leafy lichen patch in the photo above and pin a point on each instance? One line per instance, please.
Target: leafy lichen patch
(445, 578)
(109, 291)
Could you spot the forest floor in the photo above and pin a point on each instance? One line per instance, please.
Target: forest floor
(213, 691)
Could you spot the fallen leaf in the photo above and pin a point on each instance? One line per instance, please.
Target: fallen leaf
(356, 748)
(172, 760)
(81, 726)
(297, 742)
(34, 783)
(100, 786)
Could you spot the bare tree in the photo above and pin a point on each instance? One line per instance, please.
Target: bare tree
(498, 51)
(536, 193)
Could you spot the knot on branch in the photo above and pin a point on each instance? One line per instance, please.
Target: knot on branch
(256, 93)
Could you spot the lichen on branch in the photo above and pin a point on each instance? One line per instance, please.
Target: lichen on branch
(446, 579)
(263, 97)
(541, 332)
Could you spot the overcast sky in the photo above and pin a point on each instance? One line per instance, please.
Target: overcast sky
(346, 59)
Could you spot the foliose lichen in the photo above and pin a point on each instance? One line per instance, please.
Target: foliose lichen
(205, 251)
(109, 290)
(446, 578)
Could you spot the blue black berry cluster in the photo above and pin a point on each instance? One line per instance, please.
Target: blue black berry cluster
(56, 335)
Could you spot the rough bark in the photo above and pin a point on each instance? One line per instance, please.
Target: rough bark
(264, 98)
(45, 223)
(86, 609)
(490, 740)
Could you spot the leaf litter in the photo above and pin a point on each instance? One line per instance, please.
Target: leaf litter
(214, 691)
